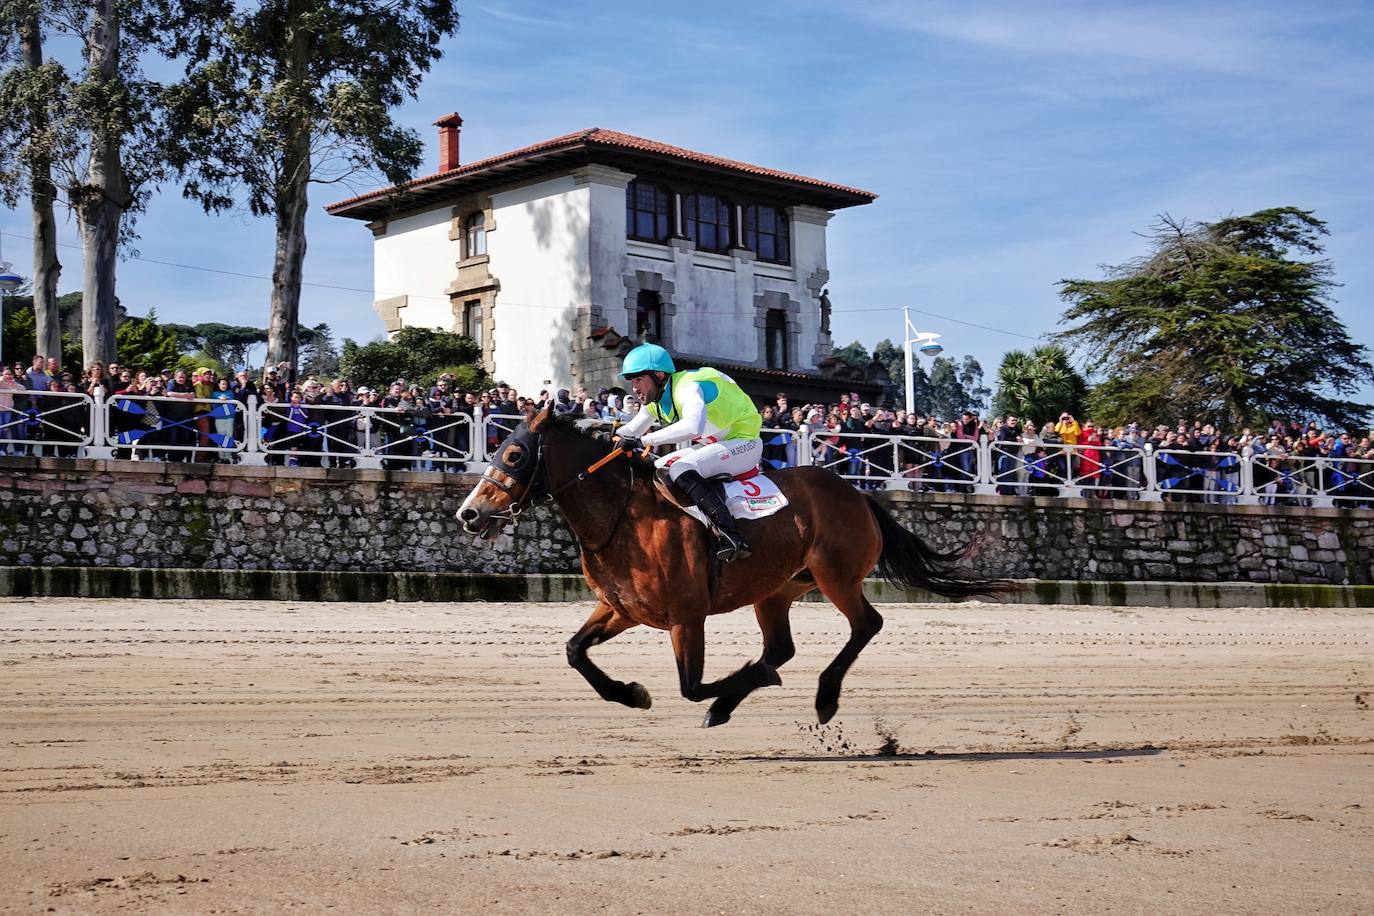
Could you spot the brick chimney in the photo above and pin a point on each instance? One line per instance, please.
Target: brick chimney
(448, 141)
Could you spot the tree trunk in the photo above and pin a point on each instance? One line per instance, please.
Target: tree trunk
(102, 201)
(287, 262)
(46, 267)
(290, 205)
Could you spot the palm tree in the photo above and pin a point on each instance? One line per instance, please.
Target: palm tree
(1039, 385)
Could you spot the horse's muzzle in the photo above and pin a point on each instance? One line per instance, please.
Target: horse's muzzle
(472, 520)
(484, 527)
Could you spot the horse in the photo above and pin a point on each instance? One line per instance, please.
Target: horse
(651, 564)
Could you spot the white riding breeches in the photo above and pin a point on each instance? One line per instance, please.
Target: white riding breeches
(719, 459)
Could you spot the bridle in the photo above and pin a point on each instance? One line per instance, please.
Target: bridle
(523, 472)
(533, 476)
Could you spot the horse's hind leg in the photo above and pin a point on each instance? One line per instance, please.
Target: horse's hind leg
(864, 624)
(689, 645)
(603, 624)
(778, 649)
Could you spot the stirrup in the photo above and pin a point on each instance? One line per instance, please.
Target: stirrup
(730, 548)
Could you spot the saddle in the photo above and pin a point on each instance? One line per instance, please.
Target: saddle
(759, 499)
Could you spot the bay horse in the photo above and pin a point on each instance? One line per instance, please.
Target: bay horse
(651, 564)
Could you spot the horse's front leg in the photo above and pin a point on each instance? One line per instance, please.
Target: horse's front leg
(777, 648)
(603, 624)
(689, 645)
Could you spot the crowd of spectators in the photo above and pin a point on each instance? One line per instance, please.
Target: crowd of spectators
(1193, 461)
(413, 426)
(179, 415)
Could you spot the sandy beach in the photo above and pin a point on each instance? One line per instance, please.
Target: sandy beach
(232, 757)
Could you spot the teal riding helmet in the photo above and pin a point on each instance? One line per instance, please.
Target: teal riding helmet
(647, 357)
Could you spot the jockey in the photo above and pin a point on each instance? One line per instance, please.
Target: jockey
(706, 411)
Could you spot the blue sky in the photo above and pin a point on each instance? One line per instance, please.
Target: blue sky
(1012, 144)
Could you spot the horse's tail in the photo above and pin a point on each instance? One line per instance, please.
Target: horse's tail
(908, 561)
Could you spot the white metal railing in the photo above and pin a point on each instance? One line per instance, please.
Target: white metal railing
(1025, 468)
(1213, 476)
(781, 447)
(364, 436)
(1287, 478)
(45, 422)
(495, 427)
(1349, 480)
(143, 426)
(159, 425)
(1312, 480)
(899, 462)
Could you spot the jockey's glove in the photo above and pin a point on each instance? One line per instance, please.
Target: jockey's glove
(630, 443)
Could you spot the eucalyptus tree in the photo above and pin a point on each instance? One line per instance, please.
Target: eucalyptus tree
(280, 94)
(954, 387)
(91, 137)
(116, 102)
(32, 94)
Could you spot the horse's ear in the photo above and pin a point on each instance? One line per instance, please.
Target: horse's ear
(544, 416)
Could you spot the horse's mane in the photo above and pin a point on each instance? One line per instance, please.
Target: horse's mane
(578, 427)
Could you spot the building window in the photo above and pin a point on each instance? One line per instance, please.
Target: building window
(472, 320)
(646, 212)
(775, 339)
(708, 221)
(648, 317)
(475, 235)
(768, 234)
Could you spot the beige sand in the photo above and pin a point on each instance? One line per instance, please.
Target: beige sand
(231, 757)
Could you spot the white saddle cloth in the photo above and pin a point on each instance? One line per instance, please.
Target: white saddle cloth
(757, 497)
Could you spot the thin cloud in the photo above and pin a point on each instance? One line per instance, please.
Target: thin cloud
(507, 15)
(1242, 40)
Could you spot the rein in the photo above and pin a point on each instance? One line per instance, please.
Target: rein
(619, 516)
(596, 466)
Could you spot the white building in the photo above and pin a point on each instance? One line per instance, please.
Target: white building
(559, 256)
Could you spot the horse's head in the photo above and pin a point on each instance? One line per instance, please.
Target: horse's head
(510, 481)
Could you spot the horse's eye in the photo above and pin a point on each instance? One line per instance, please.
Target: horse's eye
(514, 455)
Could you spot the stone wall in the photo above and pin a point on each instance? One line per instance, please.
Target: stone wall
(1122, 540)
(76, 512)
(61, 512)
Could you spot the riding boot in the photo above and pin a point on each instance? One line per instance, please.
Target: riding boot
(708, 499)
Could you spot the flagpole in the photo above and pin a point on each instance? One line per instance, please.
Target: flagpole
(906, 352)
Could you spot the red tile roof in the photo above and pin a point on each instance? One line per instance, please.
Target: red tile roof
(598, 136)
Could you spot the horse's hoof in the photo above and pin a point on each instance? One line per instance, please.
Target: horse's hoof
(827, 711)
(771, 678)
(639, 697)
(714, 718)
